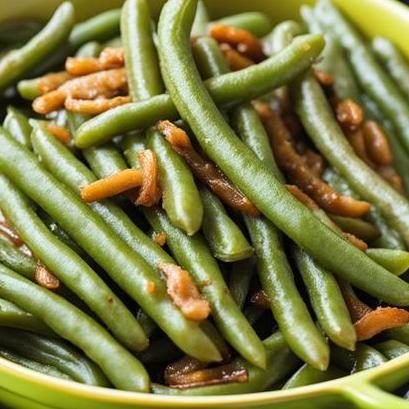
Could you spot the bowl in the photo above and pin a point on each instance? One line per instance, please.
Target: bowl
(25, 389)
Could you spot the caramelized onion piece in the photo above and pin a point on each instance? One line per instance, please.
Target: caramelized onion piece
(52, 81)
(245, 42)
(45, 279)
(298, 173)
(260, 300)
(206, 171)
(325, 79)
(390, 175)
(112, 185)
(94, 106)
(60, 132)
(349, 114)
(160, 238)
(376, 143)
(184, 293)
(9, 233)
(150, 192)
(234, 59)
(182, 366)
(357, 141)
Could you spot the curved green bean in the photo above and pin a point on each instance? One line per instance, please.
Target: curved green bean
(136, 35)
(254, 21)
(241, 274)
(18, 62)
(70, 268)
(280, 362)
(199, 26)
(90, 49)
(222, 146)
(396, 261)
(18, 126)
(367, 357)
(180, 195)
(327, 301)
(224, 237)
(124, 265)
(227, 89)
(392, 349)
(120, 366)
(193, 255)
(53, 352)
(358, 227)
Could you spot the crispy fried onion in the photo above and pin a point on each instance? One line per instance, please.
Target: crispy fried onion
(9, 233)
(150, 192)
(190, 373)
(243, 41)
(95, 106)
(108, 59)
(349, 114)
(205, 170)
(376, 143)
(159, 238)
(112, 185)
(367, 321)
(301, 175)
(325, 79)
(60, 132)
(104, 84)
(45, 279)
(235, 60)
(260, 300)
(184, 293)
(52, 81)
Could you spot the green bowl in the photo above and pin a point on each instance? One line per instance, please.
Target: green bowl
(25, 389)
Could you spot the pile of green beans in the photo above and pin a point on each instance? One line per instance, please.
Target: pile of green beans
(273, 282)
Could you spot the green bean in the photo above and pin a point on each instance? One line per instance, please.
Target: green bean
(241, 274)
(392, 349)
(318, 120)
(256, 22)
(15, 259)
(101, 27)
(18, 62)
(18, 126)
(146, 322)
(14, 317)
(136, 34)
(208, 57)
(400, 334)
(394, 61)
(367, 357)
(332, 59)
(227, 89)
(53, 352)
(327, 301)
(131, 145)
(120, 366)
(389, 238)
(281, 35)
(180, 199)
(29, 89)
(70, 268)
(89, 230)
(199, 26)
(90, 49)
(115, 42)
(373, 80)
(35, 366)
(307, 375)
(75, 120)
(280, 362)
(193, 255)
(342, 358)
(222, 146)
(224, 237)
(358, 227)
(396, 261)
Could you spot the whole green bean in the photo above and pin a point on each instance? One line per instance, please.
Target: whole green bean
(88, 229)
(396, 261)
(254, 21)
(241, 274)
(227, 89)
(136, 35)
(318, 120)
(180, 195)
(358, 227)
(18, 62)
(53, 352)
(367, 357)
(90, 49)
(280, 362)
(389, 238)
(307, 375)
(400, 334)
(395, 63)
(131, 145)
(18, 126)
(29, 89)
(70, 268)
(327, 301)
(392, 349)
(233, 157)
(224, 237)
(208, 57)
(374, 81)
(120, 366)
(193, 255)
(14, 317)
(199, 26)
(31, 364)
(281, 35)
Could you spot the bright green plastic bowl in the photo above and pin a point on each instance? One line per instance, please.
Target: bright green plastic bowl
(24, 389)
